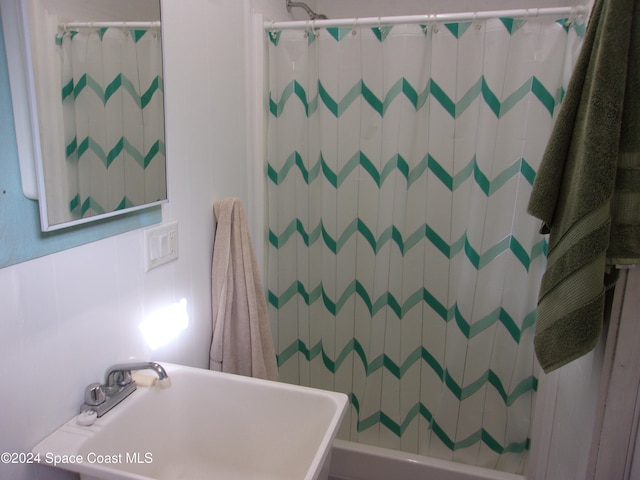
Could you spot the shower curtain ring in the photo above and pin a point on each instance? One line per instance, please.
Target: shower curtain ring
(432, 22)
(572, 16)
(582, 12)
(272, 33)
(425, 26)
(475, 21)
(354, 28)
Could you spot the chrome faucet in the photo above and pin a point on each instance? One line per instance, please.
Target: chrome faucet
(118, 385)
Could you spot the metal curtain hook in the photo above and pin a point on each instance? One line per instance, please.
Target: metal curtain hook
(476, 23)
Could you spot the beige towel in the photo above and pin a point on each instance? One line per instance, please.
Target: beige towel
(242, 341)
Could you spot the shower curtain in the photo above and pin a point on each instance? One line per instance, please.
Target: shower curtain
(112, 105)
(402, 267)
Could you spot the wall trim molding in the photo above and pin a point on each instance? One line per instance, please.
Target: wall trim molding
(618, 408)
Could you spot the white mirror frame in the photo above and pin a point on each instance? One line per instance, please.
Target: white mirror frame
(22, 94)
(15, 24)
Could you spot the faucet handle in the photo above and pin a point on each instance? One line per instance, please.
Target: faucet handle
(94, 394)
(119, 377)
(123, 377)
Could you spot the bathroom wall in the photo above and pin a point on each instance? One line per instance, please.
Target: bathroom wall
(65, 317)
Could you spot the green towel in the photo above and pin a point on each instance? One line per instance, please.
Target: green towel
(587, 190)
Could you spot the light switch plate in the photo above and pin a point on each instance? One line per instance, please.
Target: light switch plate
(160, 245)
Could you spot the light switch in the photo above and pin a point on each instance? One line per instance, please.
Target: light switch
(160, 245)
(155, 247)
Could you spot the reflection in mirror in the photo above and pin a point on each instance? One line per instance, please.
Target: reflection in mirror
(97, 68)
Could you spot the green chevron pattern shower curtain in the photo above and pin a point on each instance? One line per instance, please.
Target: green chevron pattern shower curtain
(112, 97)
(402, 267)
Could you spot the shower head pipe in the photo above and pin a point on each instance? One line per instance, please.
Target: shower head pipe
(312, 15)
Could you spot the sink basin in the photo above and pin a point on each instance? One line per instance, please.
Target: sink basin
(206, 425)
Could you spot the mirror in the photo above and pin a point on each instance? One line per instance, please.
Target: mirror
(94, 68)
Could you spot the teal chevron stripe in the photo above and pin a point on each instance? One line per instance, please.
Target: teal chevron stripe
(74, 203)
(157, 84)
(157, 148)
(67, 90)
(417, 99)
(274, 36)
(469, 97)
(91, 204)
(419, 354)
(519, 93)
(88, 144)
(120, 81)
(499, 314)
(540, 249)
(480, 436)
(512, 24)
(137, 34)
(398, 163)
(568, 23)
(381, 33)
(392, 233)
(490, 98)
(387, 300)
(444, 100)
(489, 378)
(339, 32)
(337, 108)
(125, 203)
(480, 89)
(71, 148)
(293, 88)
(539, 90)
(457, 29)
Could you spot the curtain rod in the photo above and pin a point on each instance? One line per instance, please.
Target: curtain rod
(575, 11)
(139, 25)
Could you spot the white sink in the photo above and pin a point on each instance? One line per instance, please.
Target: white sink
(206, 425)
